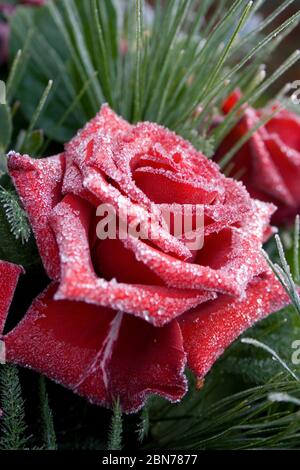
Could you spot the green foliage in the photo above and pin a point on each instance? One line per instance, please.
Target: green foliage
(6, 127)
(253, 365)
(13, 250)
(16, 216)
(47, 425)
(160, 70)
(116, 429)
(283, 272)
(242, 420)
(12, 424)
(144, 424)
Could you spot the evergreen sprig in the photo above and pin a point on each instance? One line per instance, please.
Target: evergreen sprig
(283, 271)
(47, 425)
(16, 215)
(116, 428)
(12, 424)
(243, 420)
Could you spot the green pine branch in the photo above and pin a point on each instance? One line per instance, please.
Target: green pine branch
(244, 420)
(12, 424)
(116, 428)
(47, 425)
(16, 215)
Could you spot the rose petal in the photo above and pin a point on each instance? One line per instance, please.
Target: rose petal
(209, 329)
(163, 186)
(98, 353)
(287, 126)
(153, 358)
(267, 177)
(136, 214)
(287, 163)
(38, 183)
(243, 261)
(9, 275)
(269, 163)
(106, 124)
(158, 305)
(113, 261)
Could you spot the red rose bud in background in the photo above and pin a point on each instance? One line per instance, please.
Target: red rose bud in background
(4, 35)
(123, 317)
(8, 9)
(269, 162)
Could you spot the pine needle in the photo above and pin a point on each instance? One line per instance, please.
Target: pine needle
(296, 250)
(284, 275)
(283, 398)
(40, 106)
(12, 423)
(116, 428)
(144, 424)
(265, 347)
(139, 39)
(47, 424)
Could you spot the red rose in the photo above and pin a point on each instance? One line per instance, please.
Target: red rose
(269, 162)
(4, 33)
(122, 317)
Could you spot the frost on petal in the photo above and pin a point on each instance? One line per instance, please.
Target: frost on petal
(38, 183)
(136, 214)
(151, 159)
(153, 359)
(106, 125)
(155, 304)
(226, 263)
(99, 353)
(9, 275)
(209, 329)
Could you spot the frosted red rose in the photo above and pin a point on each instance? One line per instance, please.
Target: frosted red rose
(269, 163)
(122, 318)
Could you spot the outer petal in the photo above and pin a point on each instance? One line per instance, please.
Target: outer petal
(107, 125)
(39, 183)
(153, 359)
(287, 126)
(287, 162)
(209, 329)
(98, 353)
(158, 305)
(9, 275)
